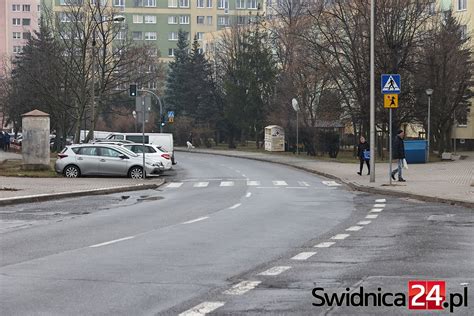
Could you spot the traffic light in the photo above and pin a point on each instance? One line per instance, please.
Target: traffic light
(133, 90)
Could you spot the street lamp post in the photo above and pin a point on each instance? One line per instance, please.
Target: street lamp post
(429, 92)
(372, 91)
(294, 103)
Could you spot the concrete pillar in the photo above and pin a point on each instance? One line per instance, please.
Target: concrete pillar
(35, 143)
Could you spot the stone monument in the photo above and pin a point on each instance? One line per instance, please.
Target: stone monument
(35, 143)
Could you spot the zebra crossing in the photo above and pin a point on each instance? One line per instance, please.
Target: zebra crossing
(227, 183)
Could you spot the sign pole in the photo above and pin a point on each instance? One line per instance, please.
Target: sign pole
(143, 135)
(372, 91)
(297, 136)
(390, 145)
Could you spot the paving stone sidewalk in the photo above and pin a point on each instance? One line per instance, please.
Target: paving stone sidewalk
(437, 181)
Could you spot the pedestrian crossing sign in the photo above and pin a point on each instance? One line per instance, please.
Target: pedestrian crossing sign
(390, 101)
(391, 84)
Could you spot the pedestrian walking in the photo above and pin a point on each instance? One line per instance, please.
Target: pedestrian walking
(6, 141)
(399, 153)
(2, 146)
(363, 152)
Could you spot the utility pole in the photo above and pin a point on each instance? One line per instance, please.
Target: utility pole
(372, 91)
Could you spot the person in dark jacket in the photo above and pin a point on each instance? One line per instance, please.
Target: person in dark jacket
(398, 149)
(2, 145)
(361, 148)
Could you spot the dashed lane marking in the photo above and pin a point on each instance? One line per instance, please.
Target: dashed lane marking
(111, 242)
(376, 210)
(279, 182)
(340, 236)
(249, 194)
(372, 216)
(202, 309)
(354, 228)
(364, 222)
(325, 244)
(304, 255)
(227, 183)
(253, 183)
(275, 270)
(196, 220)
(304, 188)
(174, 185)
(331, 183)
(201, 184)
(268, 187)
(380, 201)
(379, 205)
(235, 206)
(242, 287)
(303, 183)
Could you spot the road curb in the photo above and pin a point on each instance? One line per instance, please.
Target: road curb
(62, 195)
(351, 185)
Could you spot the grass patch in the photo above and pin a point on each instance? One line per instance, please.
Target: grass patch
(12, 168)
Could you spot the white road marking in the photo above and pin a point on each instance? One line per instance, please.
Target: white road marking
(340, 236)
(253, 183)
(242, 287)
(201, 184)
(372, 216)
(303, 183)
(202, 309)
(296, 188)
(279, 182)
(235, 206)
(196, 220)
(275, 270)
(364, 222)
(376, 210)
(249, 194)
(354, 228)
(331, 183)
(243, 175)
(174, 185)
(380, 201)
(227, 183)
(304, 255)
(111, 242)
(379, 205)
(267, 187)
(325, 244)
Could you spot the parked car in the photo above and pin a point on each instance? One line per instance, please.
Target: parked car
(103, 159)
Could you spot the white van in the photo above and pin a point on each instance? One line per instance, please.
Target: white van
(163, 140)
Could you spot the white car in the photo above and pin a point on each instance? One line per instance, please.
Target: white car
(152, 151)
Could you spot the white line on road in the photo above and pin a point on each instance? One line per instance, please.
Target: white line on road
(196, 220)
(303, 183)
(253, 183)
(364, 222)
(275, 270)
(372, 216)
(340, 236)
(227, 183)
(304, 255)
(279, 182)
(354, 228)
(376, 210)
(201, 184)
(249, 194)
(174, 185)
(242, 287)
(296, 188)
(202, 309)
(379, 205)
(235, 206)
(331, 183)
(325, 244)
(111, 242)
(380, 201)
(267, 187)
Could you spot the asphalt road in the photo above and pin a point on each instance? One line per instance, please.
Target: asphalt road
(231, 236)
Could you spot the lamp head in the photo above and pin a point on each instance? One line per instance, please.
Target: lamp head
(429, 92)
(118, 18)
(294, 103)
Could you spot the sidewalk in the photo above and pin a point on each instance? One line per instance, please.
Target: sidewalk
(448, 182)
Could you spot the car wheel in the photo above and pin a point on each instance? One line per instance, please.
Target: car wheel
(136, 173)
(72, 172)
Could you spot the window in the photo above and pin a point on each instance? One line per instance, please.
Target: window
(240, 4)
(223, 20)
(221, 4)
(119, 3)
(109, 152)
(209, 20)
(173, 20)
(209, 3)
(16, 35)
(241, 20)
(136, 36)
(154, 52)
(173, 36)
(17, 49)
(15, 7)
(26, 22)
(463, 32)
(200, 19)
(200, 3)
(462, 5)
(86, 151)
(172, 3)
(150, 19)
(149, 3)
(120, 35)
(184, 19)
(16, 21)
(252, 4)
(26, 8)
(184, 3)
(171, 52)
(137, 19)
(26, 35)
(64, 17)
(150, 36)
(200, 36)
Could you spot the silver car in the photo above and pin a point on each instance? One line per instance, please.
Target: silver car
(101, 159)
